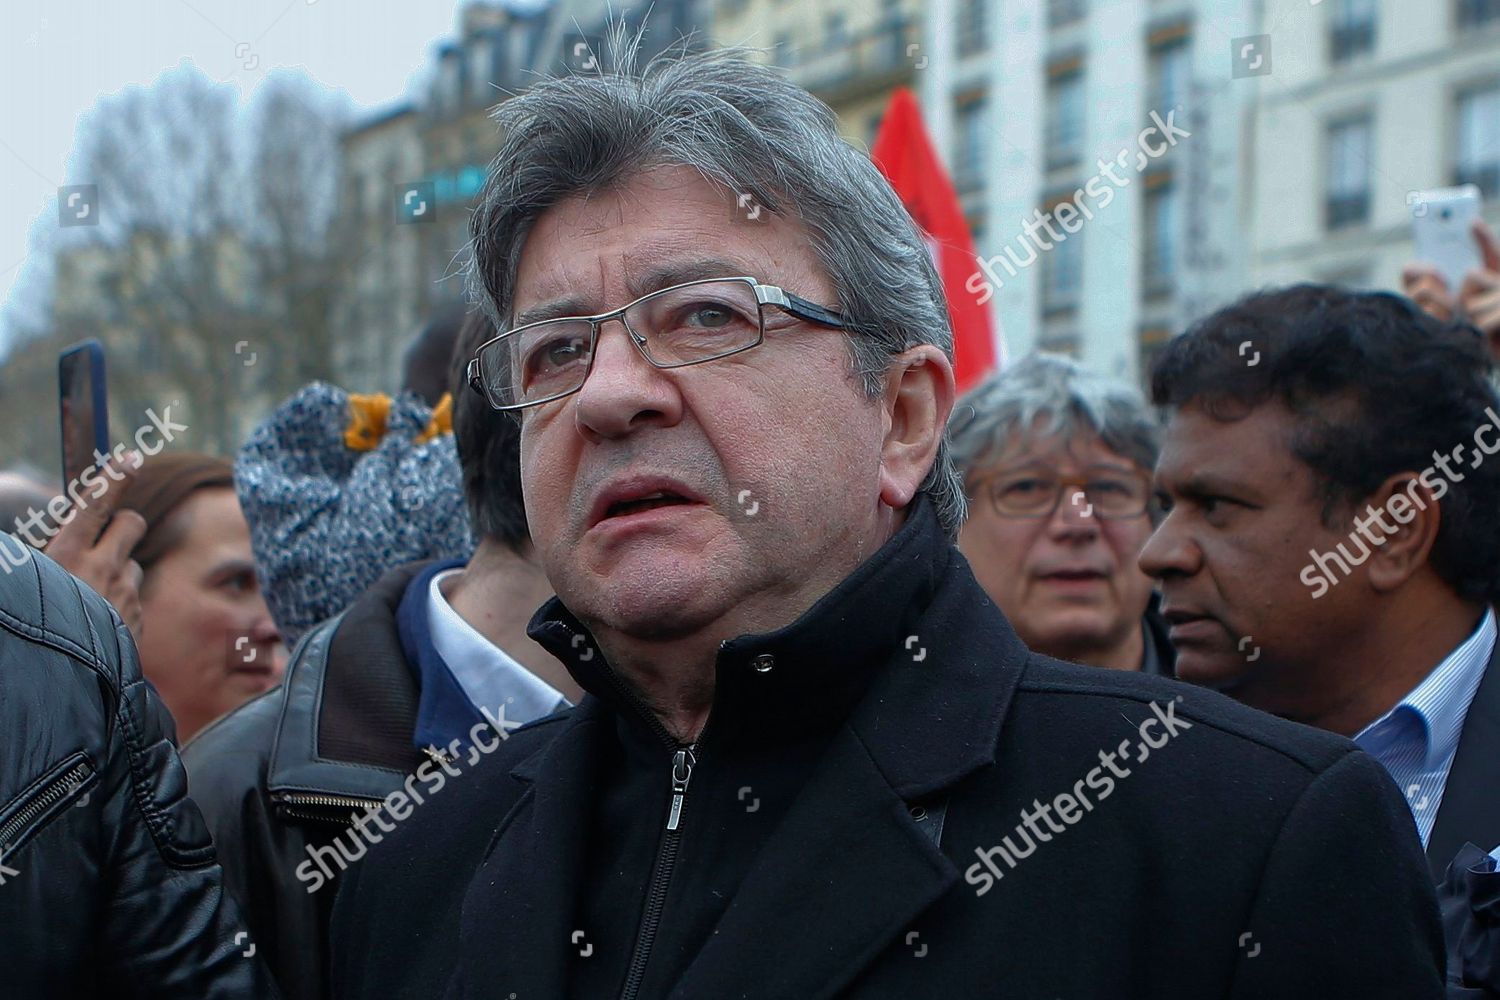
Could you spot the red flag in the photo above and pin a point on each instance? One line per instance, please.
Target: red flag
(904, 154)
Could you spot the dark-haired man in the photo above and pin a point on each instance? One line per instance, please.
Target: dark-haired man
(815, 760)
(1331, 550)
(382, 706)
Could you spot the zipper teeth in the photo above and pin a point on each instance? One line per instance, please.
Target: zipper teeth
(655, 903)
(54, 792)
(332, 801)
(666, 858)
(290, 801)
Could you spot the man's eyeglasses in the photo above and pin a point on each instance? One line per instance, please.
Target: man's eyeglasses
(685, 324)
(1034, 493)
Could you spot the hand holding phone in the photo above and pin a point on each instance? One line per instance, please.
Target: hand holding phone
(82, 409)
(95, 542)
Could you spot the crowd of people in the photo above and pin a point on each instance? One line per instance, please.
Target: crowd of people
(678, 630)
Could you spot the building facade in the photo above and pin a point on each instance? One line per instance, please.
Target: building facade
(412, 172)
(1368, 102)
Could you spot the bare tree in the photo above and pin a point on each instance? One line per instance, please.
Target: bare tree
(211, 272)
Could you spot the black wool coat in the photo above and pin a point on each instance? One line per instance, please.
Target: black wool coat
(979, 821)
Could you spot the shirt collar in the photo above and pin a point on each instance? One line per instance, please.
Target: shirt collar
(459, 673)
(1438, 705)
(808, 674)
(488, 675)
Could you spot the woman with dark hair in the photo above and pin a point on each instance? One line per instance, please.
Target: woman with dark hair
(207, 641)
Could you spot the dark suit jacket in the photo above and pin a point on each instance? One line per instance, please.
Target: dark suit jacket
(1245, 857)
(1470, 812)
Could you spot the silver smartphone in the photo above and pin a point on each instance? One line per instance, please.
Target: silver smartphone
(1441, 221)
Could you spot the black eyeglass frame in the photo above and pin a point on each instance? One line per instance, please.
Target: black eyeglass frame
(765, 295)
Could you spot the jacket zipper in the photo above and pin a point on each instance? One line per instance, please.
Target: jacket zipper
(684, 758)
(70, 782)
(683, 761)
(319, 808)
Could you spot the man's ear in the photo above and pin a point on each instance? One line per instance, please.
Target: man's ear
(1406, 517)
(918, 397)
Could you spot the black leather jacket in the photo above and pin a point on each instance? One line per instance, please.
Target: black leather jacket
(283, 774)
(108, 882)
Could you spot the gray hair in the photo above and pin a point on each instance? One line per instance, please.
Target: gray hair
(744, 126)
(1046, 395)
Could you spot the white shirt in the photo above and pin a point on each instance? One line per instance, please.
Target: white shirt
(489, 677)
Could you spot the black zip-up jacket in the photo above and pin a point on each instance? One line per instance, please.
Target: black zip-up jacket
(893, 798)
(282, 775)
(108, 881)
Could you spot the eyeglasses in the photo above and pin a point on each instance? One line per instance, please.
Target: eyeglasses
(685, 324)
(1035, 493)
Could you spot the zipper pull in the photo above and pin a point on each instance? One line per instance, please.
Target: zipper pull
(682, 771)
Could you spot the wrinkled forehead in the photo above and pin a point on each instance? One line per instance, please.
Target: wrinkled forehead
(662, 227)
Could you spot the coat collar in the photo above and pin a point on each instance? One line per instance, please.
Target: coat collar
(349, 698)
(1471, 810)
(929, 714)
(805, 675)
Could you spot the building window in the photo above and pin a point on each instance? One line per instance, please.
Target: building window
(1351, 29)
(1355, 278)
(1170, 65)
(1160, 211)
(836, 32)
(1478, 13)
(968, 154)
(1062, 274)
(481, 69)
(976, 230)
(449, 89)
(971, 26)
(1347, 200)
(1064, 12)
(1478, 154)
(1064, 120)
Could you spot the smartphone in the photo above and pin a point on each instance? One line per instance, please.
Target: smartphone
(82, 407)
(1441, 221)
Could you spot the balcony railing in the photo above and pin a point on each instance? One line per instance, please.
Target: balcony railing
(1341, 210)
(1485, 175)
(1478, 13)
(869, 62)
(1346, 41)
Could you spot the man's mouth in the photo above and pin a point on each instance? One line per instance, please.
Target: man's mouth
(622, 507)
(1073, 575)
(639, 494)
(1186, 625)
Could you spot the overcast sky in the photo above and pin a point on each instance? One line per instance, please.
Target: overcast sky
(58, 57)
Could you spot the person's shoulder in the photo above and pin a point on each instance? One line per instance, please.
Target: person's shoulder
(1228, 735)
(232, 752)
(44, 605)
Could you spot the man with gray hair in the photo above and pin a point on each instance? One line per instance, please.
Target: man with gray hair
(727, 349)
(1057, 465)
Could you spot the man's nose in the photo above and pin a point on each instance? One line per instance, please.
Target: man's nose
(1169, 552)
(1073, 516)
(623, 390)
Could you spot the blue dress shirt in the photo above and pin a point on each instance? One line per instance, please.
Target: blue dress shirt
(1416, 740)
